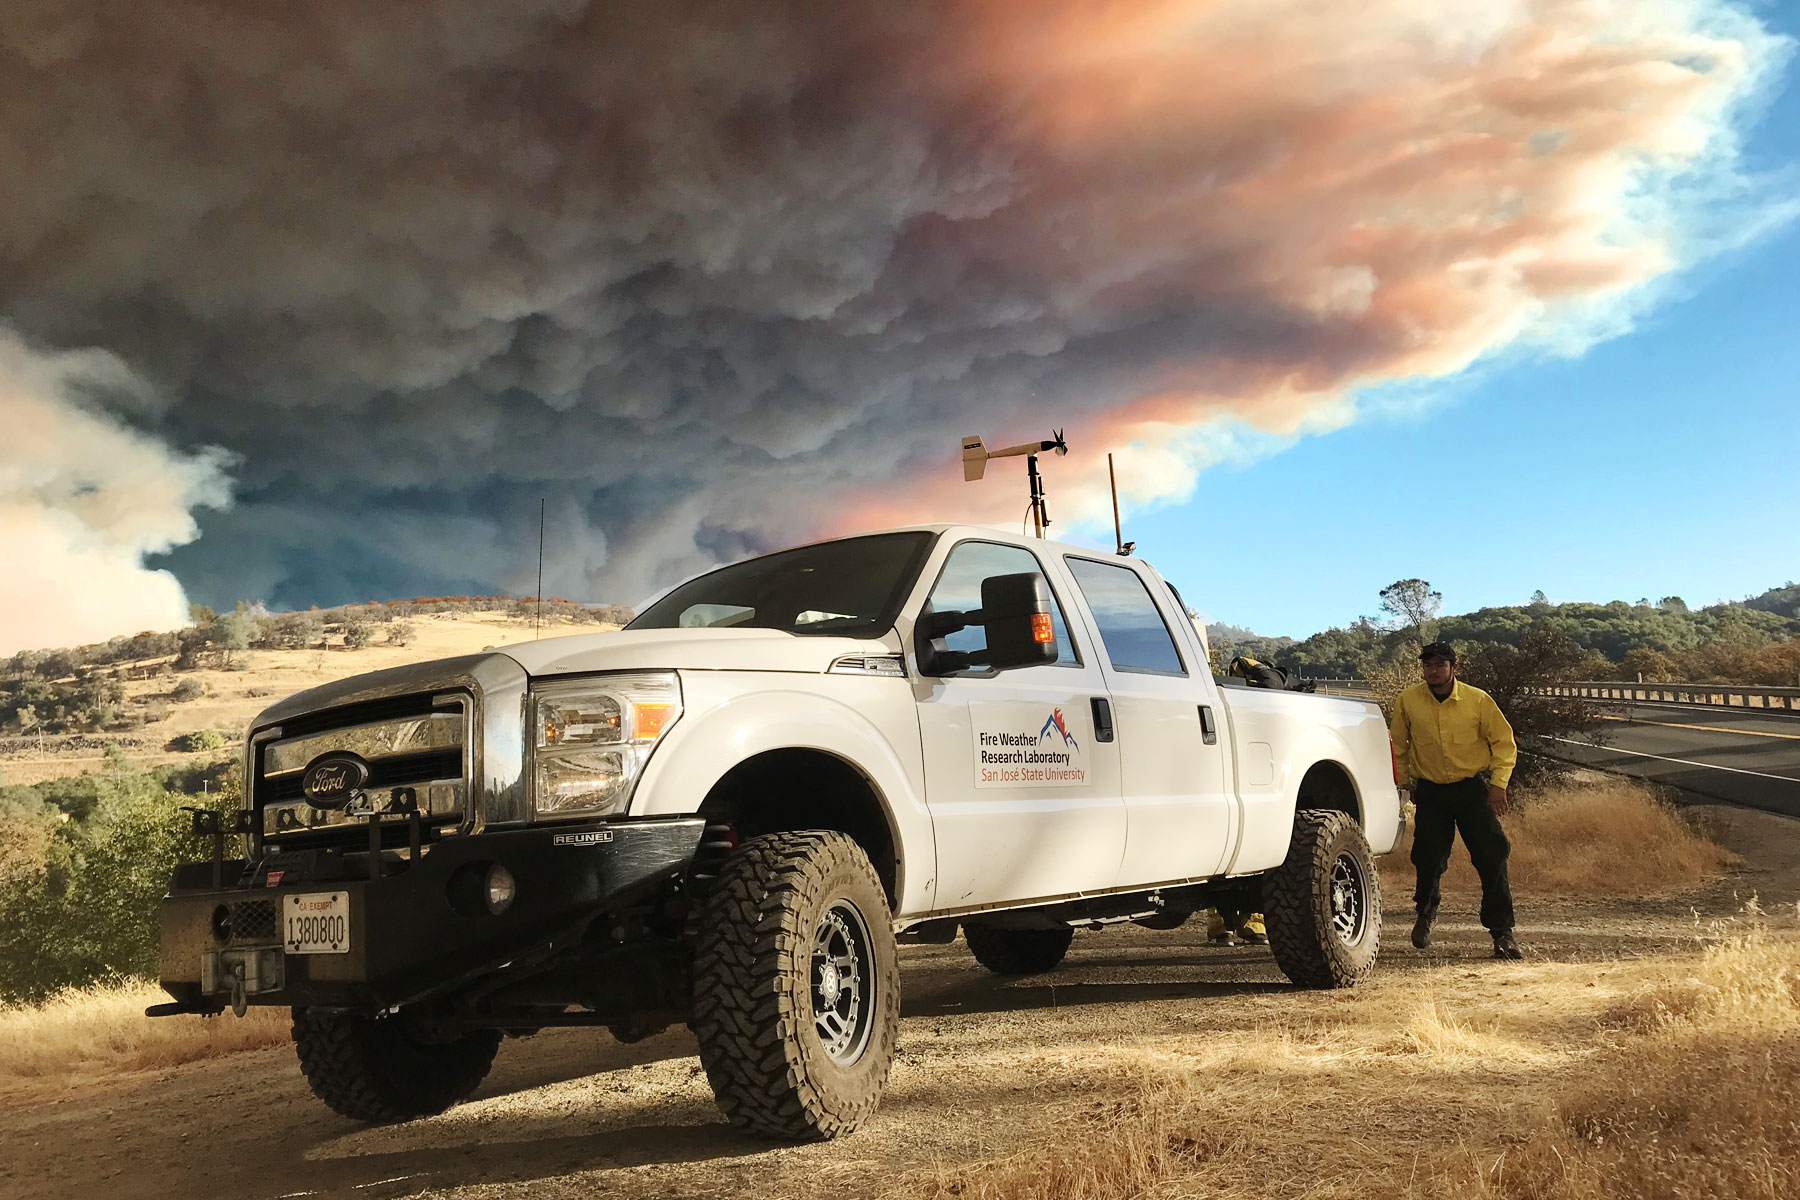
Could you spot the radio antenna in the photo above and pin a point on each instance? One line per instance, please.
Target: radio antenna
(975, 459)
(538, 620)
(1124, 546)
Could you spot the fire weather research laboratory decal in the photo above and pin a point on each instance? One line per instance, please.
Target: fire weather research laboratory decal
(1029, 745)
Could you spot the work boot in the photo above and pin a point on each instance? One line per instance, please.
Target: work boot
(1218, 931)
(1505, 947)
(1252, 931)
(1421, 936)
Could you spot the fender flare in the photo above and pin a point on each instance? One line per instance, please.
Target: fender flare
(1379, 821)
(702, 748)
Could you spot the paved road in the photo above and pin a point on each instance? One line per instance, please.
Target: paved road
(1746, 757)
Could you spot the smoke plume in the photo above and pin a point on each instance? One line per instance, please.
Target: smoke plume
(715, 276)
(82, 500)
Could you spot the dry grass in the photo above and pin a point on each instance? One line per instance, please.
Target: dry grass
(1608, 837)
(1648, 1080)
(1696, 1104)
(104, 1028)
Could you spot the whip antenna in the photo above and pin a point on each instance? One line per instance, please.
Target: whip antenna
(1124, 546)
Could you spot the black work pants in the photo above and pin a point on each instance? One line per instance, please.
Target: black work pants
(1440, 810)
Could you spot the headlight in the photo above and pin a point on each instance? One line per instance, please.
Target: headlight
(593, 737)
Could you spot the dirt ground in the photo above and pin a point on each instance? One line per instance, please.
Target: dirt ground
(987, 1066)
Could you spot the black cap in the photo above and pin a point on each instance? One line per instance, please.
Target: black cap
(1443, 650)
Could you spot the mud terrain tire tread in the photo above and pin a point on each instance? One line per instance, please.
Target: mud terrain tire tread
(1297, 903)
(367, 1068)
(1017, 951)
(753, 989)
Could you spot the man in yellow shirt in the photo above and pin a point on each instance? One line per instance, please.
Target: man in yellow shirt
(1445, 735)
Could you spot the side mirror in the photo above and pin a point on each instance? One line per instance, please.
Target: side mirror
(1015, 611)
(1015, 615)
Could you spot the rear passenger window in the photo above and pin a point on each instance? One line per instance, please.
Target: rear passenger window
(1131, 629)
(958, 589)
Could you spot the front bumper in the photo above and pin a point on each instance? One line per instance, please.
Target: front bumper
(408, 940)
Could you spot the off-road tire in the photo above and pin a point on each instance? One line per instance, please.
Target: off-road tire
(756, 976)
(1017, 951)
(1298, 903)
(381, 1069)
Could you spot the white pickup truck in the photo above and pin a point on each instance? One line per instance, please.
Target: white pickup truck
(729, 813)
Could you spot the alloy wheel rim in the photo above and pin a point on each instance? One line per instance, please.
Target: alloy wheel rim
(1349, 903)
(841, 983)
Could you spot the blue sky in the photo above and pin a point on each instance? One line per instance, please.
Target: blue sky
(1665, 461)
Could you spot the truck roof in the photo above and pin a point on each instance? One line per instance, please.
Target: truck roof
(998, 533)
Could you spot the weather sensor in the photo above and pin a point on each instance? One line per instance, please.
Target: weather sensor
(975, 460)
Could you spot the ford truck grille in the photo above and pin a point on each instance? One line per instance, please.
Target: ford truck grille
(415, 749)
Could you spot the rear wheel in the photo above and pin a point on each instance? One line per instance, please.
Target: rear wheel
(388, 1068)
(797, 986)
(1322, 905)
(1017, 951)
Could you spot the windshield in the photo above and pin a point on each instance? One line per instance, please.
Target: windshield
(848, 588)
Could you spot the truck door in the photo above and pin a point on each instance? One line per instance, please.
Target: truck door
(1178, 805)
(1024, 797)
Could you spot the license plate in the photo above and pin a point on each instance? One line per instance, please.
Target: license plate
(316, 923)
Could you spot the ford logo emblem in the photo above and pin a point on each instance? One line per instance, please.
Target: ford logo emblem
(331, 779)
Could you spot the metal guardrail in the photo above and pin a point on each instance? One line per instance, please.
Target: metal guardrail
(1716, 695)
(1341, 687)
(1707, 694)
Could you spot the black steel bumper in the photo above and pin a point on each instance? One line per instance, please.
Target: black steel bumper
(414, 932)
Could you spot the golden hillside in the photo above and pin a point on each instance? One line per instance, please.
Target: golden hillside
(256, 679)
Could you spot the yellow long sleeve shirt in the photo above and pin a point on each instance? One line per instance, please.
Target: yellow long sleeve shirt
(1451, 739)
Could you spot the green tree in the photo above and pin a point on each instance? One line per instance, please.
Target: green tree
(1413, 607)
(234, 631)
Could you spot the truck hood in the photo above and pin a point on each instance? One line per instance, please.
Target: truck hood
(691, 649)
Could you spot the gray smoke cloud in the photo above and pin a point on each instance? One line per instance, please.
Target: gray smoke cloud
(714, 276)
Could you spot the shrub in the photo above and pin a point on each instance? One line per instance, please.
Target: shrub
(188, 689)
(401, 633)
(90, 912)
(200, 739)
(358, 634)
(1515, 676)
(292, 631)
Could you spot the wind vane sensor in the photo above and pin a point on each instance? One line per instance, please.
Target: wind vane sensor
(975, 459)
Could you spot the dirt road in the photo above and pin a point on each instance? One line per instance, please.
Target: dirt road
(985, 1064)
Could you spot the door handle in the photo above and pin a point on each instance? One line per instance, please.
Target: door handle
(1103, 725)
(1209, 726)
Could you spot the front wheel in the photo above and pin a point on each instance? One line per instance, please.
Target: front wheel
(1322, 905)
(797, 986)
(388, 1068)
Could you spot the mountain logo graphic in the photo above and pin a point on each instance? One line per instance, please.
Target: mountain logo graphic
(1055, 725)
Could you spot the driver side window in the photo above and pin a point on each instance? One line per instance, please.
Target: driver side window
(958, 589)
